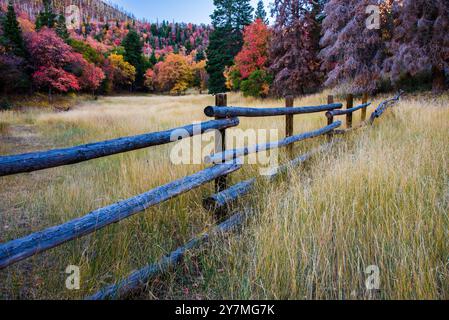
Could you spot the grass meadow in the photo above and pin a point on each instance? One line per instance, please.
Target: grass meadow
(381, 197)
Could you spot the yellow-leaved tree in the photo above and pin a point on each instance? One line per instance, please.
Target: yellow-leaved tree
(120, 72)
(174, 74)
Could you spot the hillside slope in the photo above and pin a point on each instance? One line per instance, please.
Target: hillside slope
(94, 10)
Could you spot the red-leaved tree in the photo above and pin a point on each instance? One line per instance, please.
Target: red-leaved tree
(50, 55)
(55, 79)
(47, 49)
(91, 78)
(254, 54)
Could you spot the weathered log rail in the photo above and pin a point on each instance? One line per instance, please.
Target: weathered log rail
(223, 164)
(55, 158)
(335, 113)
(384, 106)
(227, 112)
(222, 200)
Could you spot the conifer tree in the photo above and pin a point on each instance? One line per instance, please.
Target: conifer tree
(12, 33)
(261, 13)
(153, 59)
(229, 19)
(46, 18)
(61, 28)
(133, 54)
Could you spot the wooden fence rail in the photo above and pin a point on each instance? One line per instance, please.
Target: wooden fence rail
(384, 106)
(55, 158)
(138, 279)
(237, 153)
(35, 243)
(335, 113)
(221, 200)
(228, 112)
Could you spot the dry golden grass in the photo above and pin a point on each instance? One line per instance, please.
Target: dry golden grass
(380, 198)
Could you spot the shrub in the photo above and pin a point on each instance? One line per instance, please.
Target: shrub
(257, 85)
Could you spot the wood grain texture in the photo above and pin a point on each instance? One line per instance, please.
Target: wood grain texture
(289, 124)
(237, 153)
(349, 106)
(364, 110)
(60, 157)
(228, 112)
(221, 100)
(139, 279)
(38, 242)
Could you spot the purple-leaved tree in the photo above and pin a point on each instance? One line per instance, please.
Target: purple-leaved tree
(353, 50)
(420, 43)
(294, 47)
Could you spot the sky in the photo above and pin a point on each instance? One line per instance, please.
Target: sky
(195, 11)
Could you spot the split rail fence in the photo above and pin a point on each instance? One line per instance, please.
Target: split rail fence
(223, 164)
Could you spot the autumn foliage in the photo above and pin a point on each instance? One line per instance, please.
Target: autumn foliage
(312, 44)
(108, 52)
(176, 74)
(254, 54)
(249, 71)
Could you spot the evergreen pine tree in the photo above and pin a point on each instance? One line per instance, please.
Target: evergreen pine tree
(12, 33)
(133, 54)
(46, 18)
(229, 19)
(200, 56)
(260, 12)
(153, 59)
(61, 28)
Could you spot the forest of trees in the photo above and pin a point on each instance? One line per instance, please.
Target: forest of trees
(318, 44)
(310, 45)
(104, 55)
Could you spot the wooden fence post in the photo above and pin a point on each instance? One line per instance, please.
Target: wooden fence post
(364, 100)
(330, 100)
(330, 119)
(349, 105)
(221, 100)
(289, 103)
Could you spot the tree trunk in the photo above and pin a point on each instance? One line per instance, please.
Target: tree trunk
(439, 80)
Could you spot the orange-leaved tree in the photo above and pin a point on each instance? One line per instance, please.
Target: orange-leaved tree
(174, 74)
